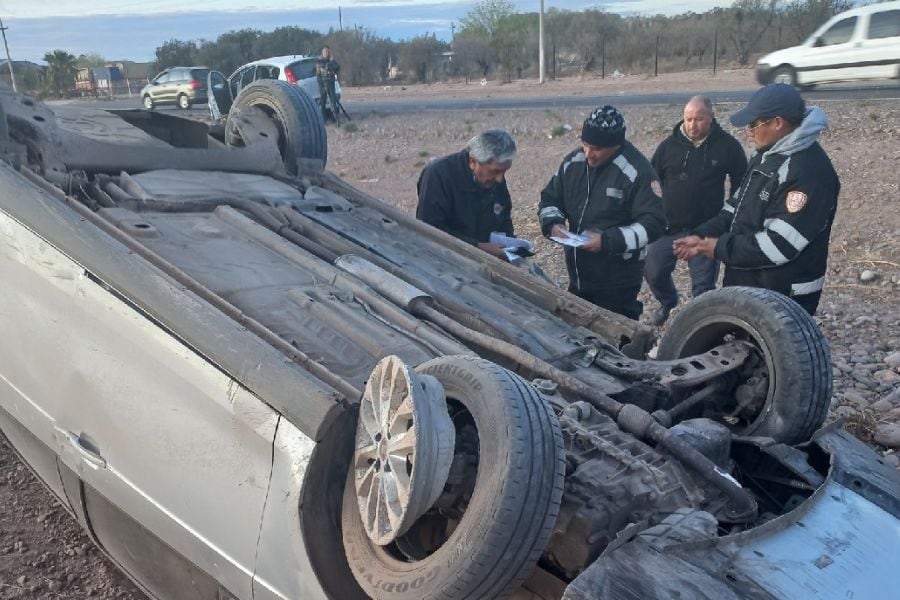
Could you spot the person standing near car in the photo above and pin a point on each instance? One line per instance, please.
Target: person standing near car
(692, 165)
(773, 232)
(607, 192)
(327, 70)
(465, 193)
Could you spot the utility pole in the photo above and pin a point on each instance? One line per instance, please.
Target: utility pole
(541, 44)
(452, 32)
(12, 76)
(340, 20)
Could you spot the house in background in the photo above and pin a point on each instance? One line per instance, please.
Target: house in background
(29, 75)
(115, 78)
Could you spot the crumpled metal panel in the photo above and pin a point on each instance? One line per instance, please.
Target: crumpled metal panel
(843, 547)
(842, 542)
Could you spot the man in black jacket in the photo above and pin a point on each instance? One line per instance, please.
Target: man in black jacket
(773, 232)
(692, 164)
(607, 192)
(327, 70)
(465, 193)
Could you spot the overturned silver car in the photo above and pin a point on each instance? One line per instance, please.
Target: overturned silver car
(247, 379)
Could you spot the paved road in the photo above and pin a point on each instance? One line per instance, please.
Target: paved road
(391, 107)
(843, 92)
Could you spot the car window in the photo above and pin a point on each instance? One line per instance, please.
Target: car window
(162, 77)
(247, 76)
(884, 24)
(303, 68)
(839, 33)
(266, 72)
(199, 75)
(177, 75)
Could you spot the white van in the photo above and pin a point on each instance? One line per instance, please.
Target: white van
(863, 43)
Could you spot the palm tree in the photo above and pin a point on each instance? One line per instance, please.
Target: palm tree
(60, 74)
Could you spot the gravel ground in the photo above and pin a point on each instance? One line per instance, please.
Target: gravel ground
(44, 554)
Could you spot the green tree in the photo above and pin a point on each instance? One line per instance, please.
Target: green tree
(486, 16)
(230, 50)
(363, 56)
(745, 24)
(90, 60)
(175, 53)
(419, 56)
(59, 77)
(284, 41)
(516, 43)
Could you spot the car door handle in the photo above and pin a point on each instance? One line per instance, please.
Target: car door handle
(83, 448)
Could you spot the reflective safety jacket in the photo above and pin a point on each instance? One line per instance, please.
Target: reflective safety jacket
(773, 232)
(621, 200)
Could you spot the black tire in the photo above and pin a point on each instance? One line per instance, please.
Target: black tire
(184, 102)
(785, 74)
(148, 102)
(513, 506)
(299, 122)
(795, 355)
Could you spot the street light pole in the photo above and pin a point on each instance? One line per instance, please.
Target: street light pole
(12, 76)
(541, 44)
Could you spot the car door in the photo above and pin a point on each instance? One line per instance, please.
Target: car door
(157, 86)
(880, 46)
(219, 98)
(169, 448)
(31, 399)
(832, 54)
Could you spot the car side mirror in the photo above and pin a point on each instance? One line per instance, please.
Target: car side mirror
(818, 43)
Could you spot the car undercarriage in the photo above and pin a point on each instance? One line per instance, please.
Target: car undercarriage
(472, 430)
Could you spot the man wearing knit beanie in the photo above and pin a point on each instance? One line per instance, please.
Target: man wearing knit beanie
(608, 194)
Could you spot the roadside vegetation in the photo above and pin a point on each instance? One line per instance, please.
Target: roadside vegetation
(494, 41)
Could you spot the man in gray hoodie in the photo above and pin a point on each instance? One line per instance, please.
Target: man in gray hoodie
(774, 230)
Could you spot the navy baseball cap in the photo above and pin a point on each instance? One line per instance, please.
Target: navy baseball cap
(773, 100)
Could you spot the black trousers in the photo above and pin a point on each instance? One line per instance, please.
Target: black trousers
(619, 300)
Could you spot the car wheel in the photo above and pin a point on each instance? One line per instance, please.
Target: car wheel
(785, 74)
(184, 102)
(785, 391)
(299, 121)
(495, 514)
(148, 102)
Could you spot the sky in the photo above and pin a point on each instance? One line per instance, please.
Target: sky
(133, 29)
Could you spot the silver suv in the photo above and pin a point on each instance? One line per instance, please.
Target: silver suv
(182, 86)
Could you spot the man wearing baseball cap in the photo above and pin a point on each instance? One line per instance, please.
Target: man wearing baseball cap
(773, 232)
(607, 192)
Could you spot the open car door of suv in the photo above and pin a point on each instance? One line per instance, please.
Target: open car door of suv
(220, 98)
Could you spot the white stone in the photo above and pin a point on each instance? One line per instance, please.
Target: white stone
(887, 434)
(868, 275)
(892, 360)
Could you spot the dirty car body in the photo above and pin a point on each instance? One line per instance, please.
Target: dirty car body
(247, 379)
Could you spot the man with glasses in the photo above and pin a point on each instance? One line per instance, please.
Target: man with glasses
(692, 165)
(774, 230)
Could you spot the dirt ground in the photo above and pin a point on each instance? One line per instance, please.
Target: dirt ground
(43, 553)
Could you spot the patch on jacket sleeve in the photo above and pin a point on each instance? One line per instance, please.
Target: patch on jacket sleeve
(498, 208)
(795, 201)
(657, 189)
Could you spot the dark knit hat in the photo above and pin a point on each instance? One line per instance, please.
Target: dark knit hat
(604, 127)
